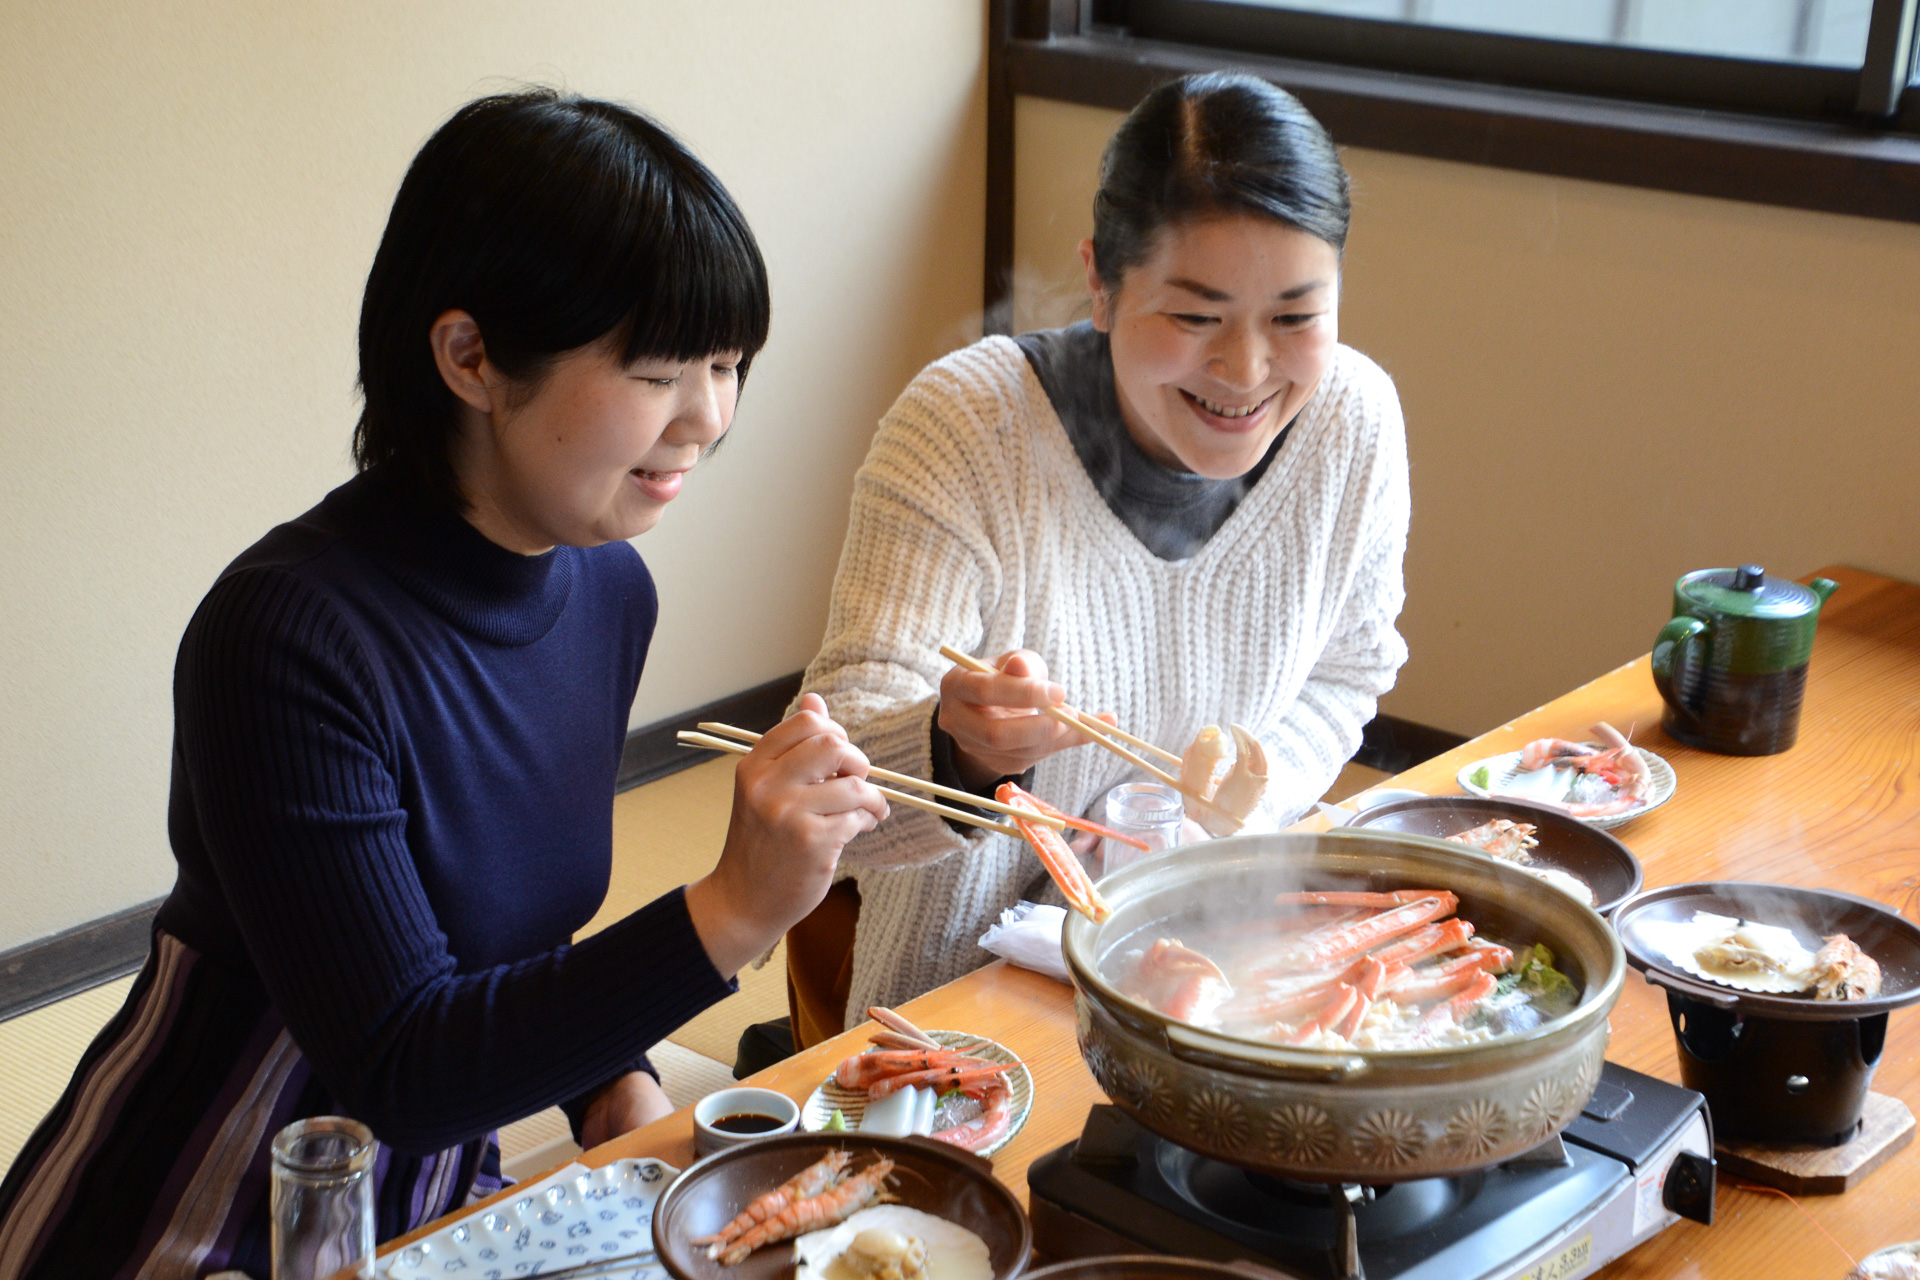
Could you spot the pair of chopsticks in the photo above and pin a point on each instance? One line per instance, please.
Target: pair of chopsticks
(1092, 727)
(1097, 731)
(714, 737)
(624, 1262)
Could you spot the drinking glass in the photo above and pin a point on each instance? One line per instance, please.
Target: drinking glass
(1148, 811)
(322, 1199)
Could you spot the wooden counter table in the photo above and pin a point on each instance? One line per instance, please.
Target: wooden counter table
(1841, 810)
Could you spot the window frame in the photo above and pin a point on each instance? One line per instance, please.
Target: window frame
(1796, 137)
(1725, 83)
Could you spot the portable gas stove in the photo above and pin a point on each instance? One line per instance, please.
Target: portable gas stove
(1636, 1160)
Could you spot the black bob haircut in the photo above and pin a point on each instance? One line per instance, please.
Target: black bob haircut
(1212, 144)
(556, 222)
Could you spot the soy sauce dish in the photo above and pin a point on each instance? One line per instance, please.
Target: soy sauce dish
(733, 1116)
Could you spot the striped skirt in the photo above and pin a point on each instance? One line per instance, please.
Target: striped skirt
(155, 1164)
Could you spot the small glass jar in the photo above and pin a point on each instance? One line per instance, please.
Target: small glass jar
(323, 1199)
(1148, 811)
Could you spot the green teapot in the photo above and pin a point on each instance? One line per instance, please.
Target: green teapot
(1732, 664)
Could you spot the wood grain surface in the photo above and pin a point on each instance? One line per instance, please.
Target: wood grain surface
(1841, 810)
(1886, 1127)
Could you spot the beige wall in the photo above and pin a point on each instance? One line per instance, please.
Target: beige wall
(190, 197)
(1604, 388)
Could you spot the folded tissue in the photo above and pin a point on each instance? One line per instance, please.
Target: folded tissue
(1029, 935)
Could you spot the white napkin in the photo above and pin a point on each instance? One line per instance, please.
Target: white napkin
(1029, 935)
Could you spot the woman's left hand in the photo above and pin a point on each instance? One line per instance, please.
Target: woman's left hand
(636, 1098)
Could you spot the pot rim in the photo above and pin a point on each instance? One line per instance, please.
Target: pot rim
(1596, 998)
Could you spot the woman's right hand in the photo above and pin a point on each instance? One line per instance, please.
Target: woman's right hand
(999, 722)
(798, 797)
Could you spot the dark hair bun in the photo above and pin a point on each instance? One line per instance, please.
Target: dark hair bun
(1210, 144)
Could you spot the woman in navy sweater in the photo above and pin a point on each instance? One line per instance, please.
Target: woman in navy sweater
(398, 720)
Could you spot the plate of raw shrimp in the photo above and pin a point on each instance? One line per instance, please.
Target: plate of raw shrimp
(1603, 783)
(1002, 1107)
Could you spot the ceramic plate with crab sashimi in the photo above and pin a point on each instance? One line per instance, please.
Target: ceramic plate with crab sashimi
(851, 1104)
(1502, 775)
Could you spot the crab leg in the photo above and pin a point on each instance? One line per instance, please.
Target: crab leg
(1418, 987)
(1186, 999)
(1323, 946)
(1027, 798)
(1289, 1005)
(1494, 957)
(1170, 955)
(1060, 862)
(1461, 1004)
(1344, 998)
(1351, 1023)
(1353, 898)
(1433, 940)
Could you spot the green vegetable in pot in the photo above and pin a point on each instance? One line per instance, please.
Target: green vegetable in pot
(1551, 991)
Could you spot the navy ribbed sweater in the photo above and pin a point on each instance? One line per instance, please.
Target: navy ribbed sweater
(394, 759)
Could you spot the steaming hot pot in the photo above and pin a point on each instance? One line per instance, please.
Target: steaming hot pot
(1322, 1116)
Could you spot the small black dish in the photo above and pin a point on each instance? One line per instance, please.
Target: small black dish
(1566, 844)
(1777, 1068)
(934, 1177)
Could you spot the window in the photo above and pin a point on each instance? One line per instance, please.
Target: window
(1828, 33)
(1807, 104)
(1835, 60)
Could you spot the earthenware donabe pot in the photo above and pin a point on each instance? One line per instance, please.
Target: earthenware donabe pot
(1317, 1115)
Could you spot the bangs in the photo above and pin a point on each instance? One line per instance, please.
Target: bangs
(696, 288)
(658, 257)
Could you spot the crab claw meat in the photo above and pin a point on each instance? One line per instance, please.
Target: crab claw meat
(1202, 761)
(1246, 782)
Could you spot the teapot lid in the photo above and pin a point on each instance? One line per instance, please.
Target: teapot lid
(1749, 592)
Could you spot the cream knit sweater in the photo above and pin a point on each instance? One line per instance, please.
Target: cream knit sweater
(974, 524)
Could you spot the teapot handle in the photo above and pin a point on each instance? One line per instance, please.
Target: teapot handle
(1668, 647)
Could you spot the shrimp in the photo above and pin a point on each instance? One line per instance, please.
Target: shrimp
(1842, 971)
(827, 1209)
(809, 1182)
(942, 1078)
(863, 1070)
(995, 1118)
(1617, 764)
(1511, 841)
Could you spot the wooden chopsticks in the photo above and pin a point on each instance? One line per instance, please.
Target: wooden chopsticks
(1095, 730)
(1100, 733)
(709, 741)
(624, 1262)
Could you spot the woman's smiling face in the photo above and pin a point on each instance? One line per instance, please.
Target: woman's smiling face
(1219, 337)
(592, 452)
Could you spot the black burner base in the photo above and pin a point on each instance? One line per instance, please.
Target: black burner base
(1122, 1189)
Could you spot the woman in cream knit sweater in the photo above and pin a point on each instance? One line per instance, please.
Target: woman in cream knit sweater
(1191, 511)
